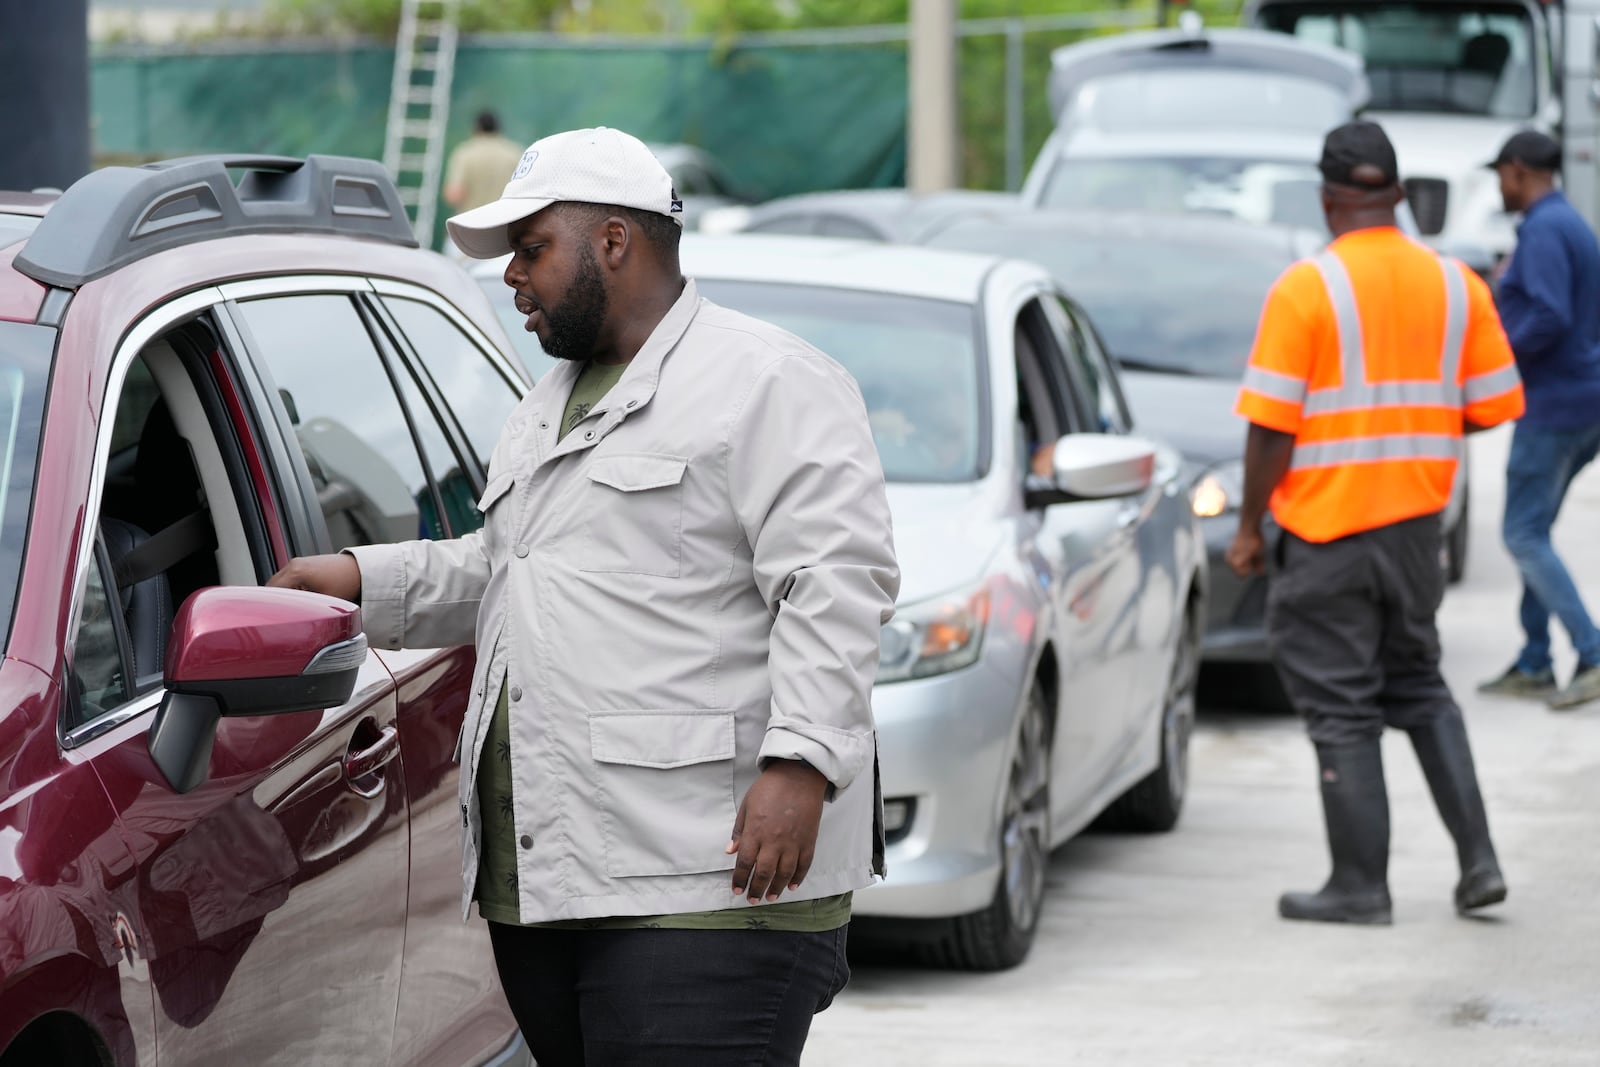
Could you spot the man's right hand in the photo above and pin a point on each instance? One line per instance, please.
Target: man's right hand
(336, 575)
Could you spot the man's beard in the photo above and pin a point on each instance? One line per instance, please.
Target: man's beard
(574, 325)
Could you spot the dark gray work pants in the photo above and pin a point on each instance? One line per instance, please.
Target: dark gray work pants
(1350, 624)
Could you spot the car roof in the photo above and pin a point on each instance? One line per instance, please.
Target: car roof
(1210, 230)
(826, 262)
(1075, 65)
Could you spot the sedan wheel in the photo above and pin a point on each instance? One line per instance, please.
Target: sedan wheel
(1001, 934)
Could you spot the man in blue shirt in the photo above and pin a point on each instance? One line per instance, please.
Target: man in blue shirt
(1550, 306)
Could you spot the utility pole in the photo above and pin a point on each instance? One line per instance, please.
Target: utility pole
(44, 81)
(932, 149)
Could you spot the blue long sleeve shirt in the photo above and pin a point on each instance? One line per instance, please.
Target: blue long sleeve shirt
(1550, 305)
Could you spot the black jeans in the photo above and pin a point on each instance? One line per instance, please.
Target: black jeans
(661, 998)
(1351, 627)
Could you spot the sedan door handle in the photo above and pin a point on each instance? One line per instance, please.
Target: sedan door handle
(369, 760)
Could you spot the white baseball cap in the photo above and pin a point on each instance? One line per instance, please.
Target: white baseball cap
(598, 166)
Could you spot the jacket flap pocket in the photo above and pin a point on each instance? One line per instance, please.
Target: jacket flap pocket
(661, 739)
(633, 472)
(496, 489)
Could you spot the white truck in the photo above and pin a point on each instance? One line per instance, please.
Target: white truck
(1451, 80)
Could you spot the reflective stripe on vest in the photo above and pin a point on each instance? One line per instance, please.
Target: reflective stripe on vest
(1355, 393)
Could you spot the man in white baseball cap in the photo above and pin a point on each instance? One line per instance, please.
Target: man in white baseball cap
(669, 766)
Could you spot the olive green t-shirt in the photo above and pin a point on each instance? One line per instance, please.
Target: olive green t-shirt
(497, 858)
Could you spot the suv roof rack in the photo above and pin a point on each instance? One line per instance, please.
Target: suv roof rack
(118, 215)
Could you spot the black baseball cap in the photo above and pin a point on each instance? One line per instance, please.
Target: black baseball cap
(1354, 146)
(1532, 149)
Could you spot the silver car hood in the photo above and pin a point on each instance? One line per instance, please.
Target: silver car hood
(943, 537)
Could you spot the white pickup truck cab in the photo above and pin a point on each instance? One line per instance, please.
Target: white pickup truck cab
(1451, 80)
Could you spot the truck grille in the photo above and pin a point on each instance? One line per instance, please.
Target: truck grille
(1429, 197)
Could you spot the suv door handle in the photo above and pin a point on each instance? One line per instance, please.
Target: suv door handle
(367, 761)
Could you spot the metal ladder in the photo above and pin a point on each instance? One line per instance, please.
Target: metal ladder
(419, 106)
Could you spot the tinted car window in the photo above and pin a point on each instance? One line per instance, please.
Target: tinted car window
(1182, 305)
(479, 395)
(358, 443)
(1089, 366)
(97, 665)
(916, 361)
(24, 373)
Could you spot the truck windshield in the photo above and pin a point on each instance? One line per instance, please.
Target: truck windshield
(24, 372)
(1451, 58)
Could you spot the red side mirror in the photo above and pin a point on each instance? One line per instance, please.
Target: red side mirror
(243, 650)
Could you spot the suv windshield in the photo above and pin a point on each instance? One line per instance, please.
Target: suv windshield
(1255, 190)
(24, 373)
(915, 359)
(1185, 306)
(1455, 58)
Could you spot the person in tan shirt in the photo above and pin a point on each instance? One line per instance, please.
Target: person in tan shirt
(480, 166)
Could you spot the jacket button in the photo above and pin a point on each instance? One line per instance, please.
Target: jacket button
(522, 551)
(589, 436)
(516, 692)
(526, 842)
(632, 404)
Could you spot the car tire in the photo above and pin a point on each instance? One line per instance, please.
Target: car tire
(999, 936)
(1455, 543)
(1154, 804)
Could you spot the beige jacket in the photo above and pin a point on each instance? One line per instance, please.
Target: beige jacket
(691, 582)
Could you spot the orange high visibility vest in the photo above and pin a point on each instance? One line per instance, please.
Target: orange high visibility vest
(1372, 355)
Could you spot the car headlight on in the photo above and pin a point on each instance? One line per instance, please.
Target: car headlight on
(934, 637)
(1219, 490)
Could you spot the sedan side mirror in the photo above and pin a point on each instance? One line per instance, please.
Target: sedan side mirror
(1095, 466)
(242, 651)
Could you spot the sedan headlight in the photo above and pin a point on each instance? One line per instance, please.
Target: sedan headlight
(1219, 490)
(934, 637)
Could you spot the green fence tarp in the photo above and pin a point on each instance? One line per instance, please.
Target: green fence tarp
(781, 120)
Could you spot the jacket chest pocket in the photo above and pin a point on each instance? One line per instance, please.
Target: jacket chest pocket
(495, 508)
(665, 790)
(635, 515)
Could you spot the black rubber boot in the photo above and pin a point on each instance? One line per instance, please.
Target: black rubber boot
(1446, 760)
(1355, 806)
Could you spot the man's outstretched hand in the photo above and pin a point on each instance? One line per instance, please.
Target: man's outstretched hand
(775, 833)
(337, 575)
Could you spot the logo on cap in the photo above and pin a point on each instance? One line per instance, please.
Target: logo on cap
(677, 203)
(525, 164)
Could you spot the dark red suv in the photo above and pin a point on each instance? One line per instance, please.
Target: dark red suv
(228, 830)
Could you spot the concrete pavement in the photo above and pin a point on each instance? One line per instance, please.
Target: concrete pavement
(1168, 950)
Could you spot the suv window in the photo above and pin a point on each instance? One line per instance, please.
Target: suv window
(24, 373)
(480, 396)
(361, 449)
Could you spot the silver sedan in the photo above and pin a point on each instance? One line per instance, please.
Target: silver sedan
(1040, 671)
